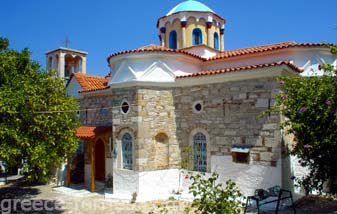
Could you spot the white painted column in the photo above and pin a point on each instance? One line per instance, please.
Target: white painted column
(61, 64)
(48, 67)
(209, 36)
(84, 65)
(183, 33)
(54, 63)
(222, 45)
(163, 36)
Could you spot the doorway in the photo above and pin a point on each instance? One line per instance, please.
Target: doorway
(100, 160)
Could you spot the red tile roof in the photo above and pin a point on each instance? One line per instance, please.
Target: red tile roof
(153, 48)
(90, 82)
(236, 69)
(265, 48)
(90, 132)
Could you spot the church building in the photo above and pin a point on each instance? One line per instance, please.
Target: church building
(185, 105)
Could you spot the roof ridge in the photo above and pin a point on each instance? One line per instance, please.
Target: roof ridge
(265, 45)
(240, 68)
(154, 48)
(264, 48)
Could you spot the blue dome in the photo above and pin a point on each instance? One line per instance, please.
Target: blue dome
(190, 5)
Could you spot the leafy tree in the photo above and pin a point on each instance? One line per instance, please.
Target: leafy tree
(210, 197)
(36, 124)
(309, 105)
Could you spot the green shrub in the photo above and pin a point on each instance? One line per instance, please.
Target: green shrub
(211, 197)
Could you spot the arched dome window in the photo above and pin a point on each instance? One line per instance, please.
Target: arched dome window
(173, 40)
(197, 36)
(216, 41)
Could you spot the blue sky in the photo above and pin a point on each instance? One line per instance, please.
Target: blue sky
(103, 27)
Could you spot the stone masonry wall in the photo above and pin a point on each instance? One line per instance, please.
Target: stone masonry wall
(157, 131)
(162, 120)
(231, 116)
(96, 110)
(125, 122)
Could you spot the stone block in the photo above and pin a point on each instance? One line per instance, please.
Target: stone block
(269, 142)
(116, 121)
(163, 114)
(243, 96)
(234, 89)
(270, 126)
(230, 132)
(266, 156)
(136, 119)
(262, 103)
(220, 140)
(252, 96)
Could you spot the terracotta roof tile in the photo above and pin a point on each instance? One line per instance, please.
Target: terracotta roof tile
(90, 132)
(153, 48)
(90, 82)
(265, 48)
(235, 69)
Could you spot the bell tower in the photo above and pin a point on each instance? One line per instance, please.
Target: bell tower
(66, 61)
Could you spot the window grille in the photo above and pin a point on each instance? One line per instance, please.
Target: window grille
(127, 151)
(200, 152)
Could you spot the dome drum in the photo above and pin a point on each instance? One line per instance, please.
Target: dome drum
(191, 23)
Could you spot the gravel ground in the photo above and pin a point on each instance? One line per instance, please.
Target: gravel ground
(48, 199)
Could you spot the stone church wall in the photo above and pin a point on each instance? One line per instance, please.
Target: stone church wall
(95, 110)
(230, 116)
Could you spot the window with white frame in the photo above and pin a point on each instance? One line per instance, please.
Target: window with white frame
(127, 152)
(125, 107)
(199, 152)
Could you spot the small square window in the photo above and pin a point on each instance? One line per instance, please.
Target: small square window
(239, 157)
(240, 153)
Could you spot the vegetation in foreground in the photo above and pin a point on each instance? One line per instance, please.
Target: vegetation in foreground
(36, 119)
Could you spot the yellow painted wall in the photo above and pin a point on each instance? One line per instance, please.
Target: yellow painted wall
(213, 30)
(167, 34)
(191, 25)
(170, 27)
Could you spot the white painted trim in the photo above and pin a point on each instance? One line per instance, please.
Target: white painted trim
(202, 106)
(217, 78)
(151, 55)
(184, 16)
(235, 76)
(121, 104)
(246, 150)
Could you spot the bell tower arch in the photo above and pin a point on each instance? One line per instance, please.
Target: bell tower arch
(66, 61)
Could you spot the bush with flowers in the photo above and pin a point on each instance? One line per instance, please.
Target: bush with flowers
(310, 105)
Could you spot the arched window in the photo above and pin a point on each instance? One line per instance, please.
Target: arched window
(161, 151)
(197, 36)
(127, 151)
(200, 152)
(216, 41)
(173, 43)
